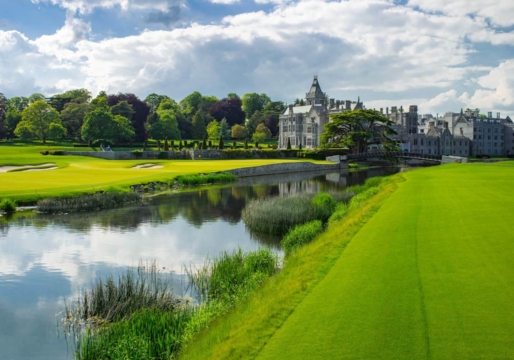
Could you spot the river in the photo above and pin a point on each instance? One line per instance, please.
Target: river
(45, 259)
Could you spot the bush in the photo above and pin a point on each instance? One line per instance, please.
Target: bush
(102, 142)
(56, 152)
(163, 155)
(7, 205)
(301, 235)
(324, 204)
(339, 213)
(44, 152)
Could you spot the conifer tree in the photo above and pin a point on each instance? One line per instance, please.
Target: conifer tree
(221, 145)
(288, 143)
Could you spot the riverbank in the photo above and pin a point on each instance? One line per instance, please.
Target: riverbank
(421, 270)
(84, 175)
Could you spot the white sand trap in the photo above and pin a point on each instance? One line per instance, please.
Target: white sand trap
(4, 169)
(148, 166)
(52, 168)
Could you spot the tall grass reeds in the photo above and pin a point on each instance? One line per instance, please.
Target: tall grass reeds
(200, 179)
(301, 235)
(91, 202)
(7, 205)
(280, 214)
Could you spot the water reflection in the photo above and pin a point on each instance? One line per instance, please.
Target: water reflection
(43, 257)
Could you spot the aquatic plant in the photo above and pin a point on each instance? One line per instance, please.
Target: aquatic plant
(301, 235)
(7, 205)
(91, 202)
(324, 204)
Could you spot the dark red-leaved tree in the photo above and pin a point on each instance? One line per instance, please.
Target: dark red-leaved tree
(229, 109)
(271, 123)
(141, 111)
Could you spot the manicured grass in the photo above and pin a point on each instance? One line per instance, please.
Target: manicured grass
(430, 276)
(420, 270)
(78, 174)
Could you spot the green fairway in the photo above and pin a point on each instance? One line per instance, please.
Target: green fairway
(430, 276)
(85, 174)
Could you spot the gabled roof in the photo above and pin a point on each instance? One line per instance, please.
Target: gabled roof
(315, 90)
(298, 110)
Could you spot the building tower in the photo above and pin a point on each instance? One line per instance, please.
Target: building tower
(315, 96)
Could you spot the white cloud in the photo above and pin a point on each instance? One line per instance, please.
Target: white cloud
(499, 12)
(87, 6)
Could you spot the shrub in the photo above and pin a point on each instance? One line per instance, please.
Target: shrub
(138, 153)
(301, 235)
(339, 213)
(102, 142)
(44, 152)
(206, 179)
(163, 155)
(7, 205)
(56, 152)
(324, 204)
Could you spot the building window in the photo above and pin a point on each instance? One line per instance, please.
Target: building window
(309, 141)
(415, 141)
(495, 137)
(495, 144)
(430, 151)
(309, 129)
(475, 129)
(474, 136)
(429, 143)
(489, 130)
(422, 144)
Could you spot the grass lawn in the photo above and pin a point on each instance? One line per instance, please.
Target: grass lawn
(84, 174)
(429, 276)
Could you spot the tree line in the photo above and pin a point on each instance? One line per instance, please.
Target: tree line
(121, 118)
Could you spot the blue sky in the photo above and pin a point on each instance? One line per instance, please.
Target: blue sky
(438, 54)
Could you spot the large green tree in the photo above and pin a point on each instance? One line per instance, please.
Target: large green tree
(165, 128)
(36, 120)
(124, 109)
(18, 102)
(12, 119)
(251, 125)
(213, 130)
(254, 102)
(358, 128)
(99, 124)
(3, 114)
(73, 116)
(79, 96)
(154, 101)
(198, 130)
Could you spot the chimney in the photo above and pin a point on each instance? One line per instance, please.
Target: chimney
(498, 116)
(413, 109)
(338, 103)
(387, 111)
(331, 101)
(490, 115)
(394, 109)
(445, 125)
(382, 111)
(348, 104)
(290, 108)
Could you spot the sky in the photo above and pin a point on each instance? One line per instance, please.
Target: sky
(440, 55)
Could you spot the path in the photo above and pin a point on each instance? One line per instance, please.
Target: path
(430, 276)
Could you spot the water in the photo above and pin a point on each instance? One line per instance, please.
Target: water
(45, 259)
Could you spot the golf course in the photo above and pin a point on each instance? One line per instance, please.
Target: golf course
(422, 270)
(50, 176)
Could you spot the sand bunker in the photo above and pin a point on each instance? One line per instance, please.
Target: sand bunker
(148, 166)
(48, 166)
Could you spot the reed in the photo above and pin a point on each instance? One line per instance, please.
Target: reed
(7, 205)
(91, 202)
(301, 235)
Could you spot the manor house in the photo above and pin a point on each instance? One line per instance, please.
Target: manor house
(304, 124)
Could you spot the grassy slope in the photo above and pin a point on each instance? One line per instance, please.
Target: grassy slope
(429, 276)
(243, 332)
(85, 174)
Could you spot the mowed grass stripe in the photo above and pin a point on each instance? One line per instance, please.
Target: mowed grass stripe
(430, 276)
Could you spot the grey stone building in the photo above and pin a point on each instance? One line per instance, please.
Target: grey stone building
(304, 124)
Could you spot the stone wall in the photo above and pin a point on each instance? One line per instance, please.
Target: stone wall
(281, 169)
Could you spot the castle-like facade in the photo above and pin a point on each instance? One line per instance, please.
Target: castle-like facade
(304, 124)
(462, 134)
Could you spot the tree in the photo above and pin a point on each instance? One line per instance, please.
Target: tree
(274, 107)
(271, 123)
(154, 101)
(18, 103)
(254, 102)
(261, 128)
(37, 119)
(36, 97)
(256, 119)
(221, 145)
(78, 96)
(56, 131)
(191, 103)
(231, 96)
(224, 129)
(213, 130)
(12, 120)
(100, 102)
(168, 105)
(258, 137)
(124, 109)
(165, 128)
(123, 130)
(198, 130)
(229, 109)
(141, 112)
(356, 129)
(99, 124)
(3, 114)
(238, 132)
(73, 116)
(288, 143)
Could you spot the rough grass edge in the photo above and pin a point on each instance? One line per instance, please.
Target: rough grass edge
(243, 331)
